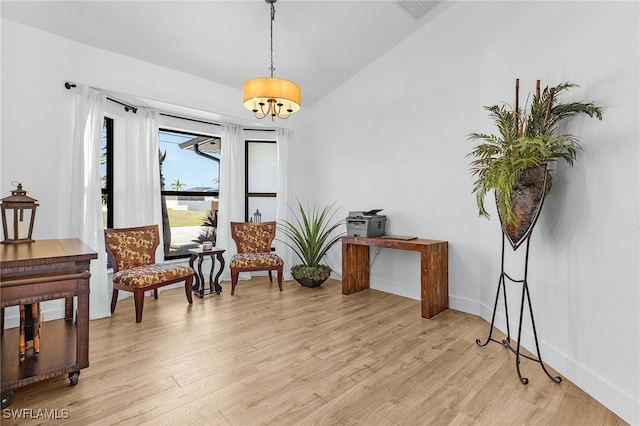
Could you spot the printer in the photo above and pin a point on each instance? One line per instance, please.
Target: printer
(366, 224)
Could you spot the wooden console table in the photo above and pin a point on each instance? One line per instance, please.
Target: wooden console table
(35, 272)
(434, 268)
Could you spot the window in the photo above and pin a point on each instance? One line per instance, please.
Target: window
(190, 173)
(106, 172)
(261, 161)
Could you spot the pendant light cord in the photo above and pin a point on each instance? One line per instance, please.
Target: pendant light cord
(273, 17)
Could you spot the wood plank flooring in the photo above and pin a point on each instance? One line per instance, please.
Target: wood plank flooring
(304, 356)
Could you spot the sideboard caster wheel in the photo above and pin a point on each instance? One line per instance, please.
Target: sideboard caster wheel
(7, 399)
(73, 378)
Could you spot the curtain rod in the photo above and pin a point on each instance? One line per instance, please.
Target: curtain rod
(133, 109)
(212, 123)
(126, 106)
(189, 119)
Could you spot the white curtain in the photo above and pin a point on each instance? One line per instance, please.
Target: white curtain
(138, 175)
(231, 196)
(285, 159)
(86, 201)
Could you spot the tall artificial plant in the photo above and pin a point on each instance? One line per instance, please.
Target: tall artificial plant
(311, 235)
(526, 139)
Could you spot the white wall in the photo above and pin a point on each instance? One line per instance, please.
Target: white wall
(394, 137)
(37, 111)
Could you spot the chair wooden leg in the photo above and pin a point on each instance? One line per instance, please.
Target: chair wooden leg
(279, 277)
(138, 300)
(270, 276)
(188, 288)
(155, 293)
(234, 280)
(114, 299)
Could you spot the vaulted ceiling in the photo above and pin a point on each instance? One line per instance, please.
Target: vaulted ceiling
(317, 44)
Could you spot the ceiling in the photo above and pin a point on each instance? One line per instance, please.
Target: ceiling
(317, 44)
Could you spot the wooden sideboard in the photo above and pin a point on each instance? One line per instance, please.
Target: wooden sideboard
(36, 272)
(434, 268)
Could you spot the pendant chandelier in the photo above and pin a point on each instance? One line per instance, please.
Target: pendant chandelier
(270, 96)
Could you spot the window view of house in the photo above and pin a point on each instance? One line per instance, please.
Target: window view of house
(190, 173)
(189, 177)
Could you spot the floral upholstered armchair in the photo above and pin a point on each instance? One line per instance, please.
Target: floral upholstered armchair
(133, 255)
(253, 241)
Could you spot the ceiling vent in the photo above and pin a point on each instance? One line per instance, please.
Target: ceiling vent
(416, 8)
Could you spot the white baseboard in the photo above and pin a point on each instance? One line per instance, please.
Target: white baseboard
(50, 311)
(598, 387)
(602, 390)
(400, 289)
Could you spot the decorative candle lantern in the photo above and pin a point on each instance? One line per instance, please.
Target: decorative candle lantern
(18, 212)
(257, 216)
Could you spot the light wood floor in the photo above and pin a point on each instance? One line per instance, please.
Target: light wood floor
(301, 356)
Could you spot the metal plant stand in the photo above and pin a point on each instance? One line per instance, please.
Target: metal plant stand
(525, 293)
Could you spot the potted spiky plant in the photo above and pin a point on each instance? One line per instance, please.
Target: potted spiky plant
(311, 235)
(514, 163)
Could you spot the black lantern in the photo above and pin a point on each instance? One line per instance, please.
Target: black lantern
(18, 212)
